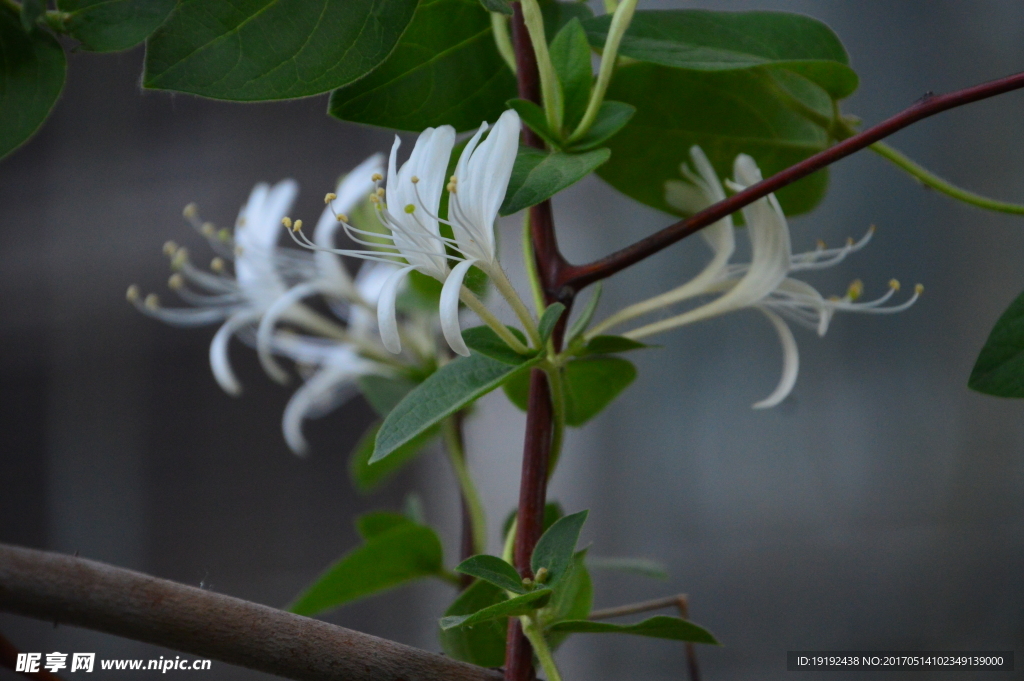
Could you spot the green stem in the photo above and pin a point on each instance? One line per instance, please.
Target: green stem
(540, 647)
(499, 26)
(620, 22)
(478, 519)
(488, 318)
(530, 263)
(509, 293)
(550, 89)
(558, 416)
(932, 180)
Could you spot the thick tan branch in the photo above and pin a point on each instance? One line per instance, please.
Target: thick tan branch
(97, 596)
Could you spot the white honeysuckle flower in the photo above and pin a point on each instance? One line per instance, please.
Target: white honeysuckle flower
(409, 211)
(262, 273)
(763, 283)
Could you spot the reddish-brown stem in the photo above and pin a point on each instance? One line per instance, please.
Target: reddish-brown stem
(573, 278)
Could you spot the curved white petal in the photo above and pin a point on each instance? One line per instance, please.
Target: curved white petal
(316, 396)
(790, 362)
(219, 362)
(387, 319)
(449, 307)
(265, 332)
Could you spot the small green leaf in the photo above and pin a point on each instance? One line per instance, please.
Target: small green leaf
(606, 345)
(592, 383)
(484, 340)
(611, 117)
(369, 525)
(513, 607)
(384, 393)
(368, 477)
(558, 14)
(574, 595)
(111, 25)
(484, 644)
(494, 570)
(641, 566)
(661, 626)
(570, 55)
(500, 6)
(586, 314)
(447, 390)
(250, 50)
(552, 512)
(701, 40)
(31, 10)
(404, 553)
(445, 70)
(535, 119)
(549, 319)
(539, 175)
(999, 369)
(31, 77)
(557, 546)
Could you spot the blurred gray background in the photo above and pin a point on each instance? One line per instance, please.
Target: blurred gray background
(880, 507)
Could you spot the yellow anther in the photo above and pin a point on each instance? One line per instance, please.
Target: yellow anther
(919, 289)
(821, 245)
(175, 282)
(170, 248)
(410, 208)
(834, 299)
(190, 212)
(376, 177)
(208, 230)
(541, 576)
(453, 179)
(374, 199)
(132, 294)
(287, 222)
(342, 217)
(330, 196)
(297, 226)
(179, 259)
(894, 284)
(451, 188)
(217, 265)
(380, 192)
(849, 241)
(224, 234)
(856, 289)
(152, 301)
(414, 179)
(871, 229)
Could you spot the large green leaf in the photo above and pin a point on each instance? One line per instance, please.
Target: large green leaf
(590, 383)
(558, 14)
(557, 546)
(727, 113)
(494, 570)
(366, 476)
(248, 50)
(31, 77)
(111, 25)
(539, 175)
(483, 644)
(450, 388)
(405, 552)
(445, 70)
(999, 369)
(513, 607)
(701, 40)
(672, 628)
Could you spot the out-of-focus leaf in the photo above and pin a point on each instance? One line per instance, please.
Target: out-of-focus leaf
(111, 25)
(640, 566)
(483, 644)
(366, 476)
(999, 369)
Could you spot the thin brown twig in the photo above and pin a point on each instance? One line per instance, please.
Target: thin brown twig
(94, 595)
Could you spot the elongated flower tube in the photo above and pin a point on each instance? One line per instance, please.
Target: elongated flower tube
(260, 278)
(763, 283)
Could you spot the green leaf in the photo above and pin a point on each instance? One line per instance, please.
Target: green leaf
(370, 525)
(484, 340)
(447, 390)
(31, 77)
(605, 345)
(558, 14)
(574, 594)
(111, 25)
(249, 50)
(557, 546)
(513, 607)
(583, 320)
(404, 553)
(500, 6)
(445, 70)
(552, 512)
(570, 55)
(727, 113)
(483, 644)
(641, 566)
(413, 508)
(999, 369)
(368, 477)
(539, 175)
(384, 393)
(700, 40)
(549, 319)
(494, 570)
(535, 119)
(31, 10)
(592, 383)
(611, 117)
(661, 626)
